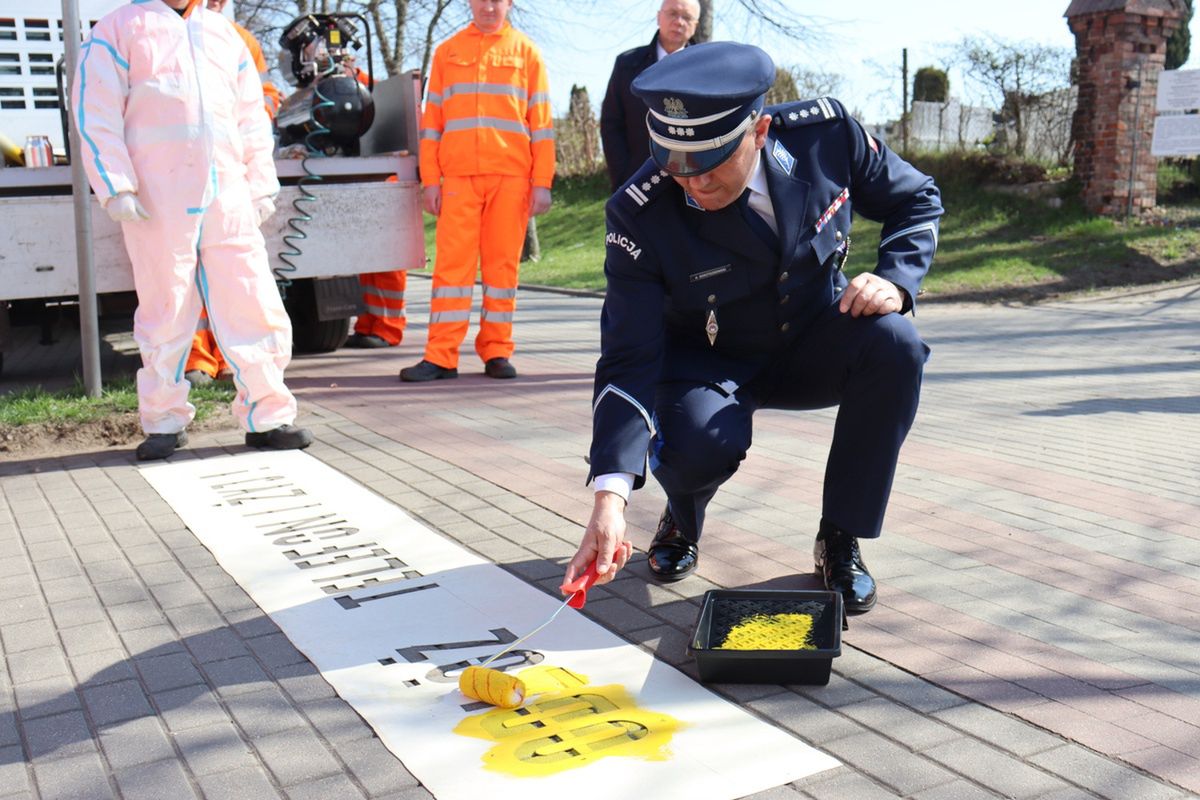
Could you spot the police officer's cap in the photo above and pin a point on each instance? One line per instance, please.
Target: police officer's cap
(702, 100)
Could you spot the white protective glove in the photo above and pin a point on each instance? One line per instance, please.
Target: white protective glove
(264, 207)
(126, 208)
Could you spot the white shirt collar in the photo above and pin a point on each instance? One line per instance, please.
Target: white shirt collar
(760, 193)
(662, 51)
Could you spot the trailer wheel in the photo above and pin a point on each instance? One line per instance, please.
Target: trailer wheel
(320, 336)
(310, 333)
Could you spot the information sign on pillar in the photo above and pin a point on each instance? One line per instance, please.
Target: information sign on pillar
(1176, 132)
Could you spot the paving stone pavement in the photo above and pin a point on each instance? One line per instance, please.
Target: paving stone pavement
(1036, 636)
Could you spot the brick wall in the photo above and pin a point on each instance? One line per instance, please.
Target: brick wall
(1116, 49)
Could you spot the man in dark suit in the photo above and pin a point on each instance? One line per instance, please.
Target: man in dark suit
(622, 115)
(725, 294)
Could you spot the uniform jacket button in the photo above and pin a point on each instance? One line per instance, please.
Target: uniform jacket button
(837, 235)
(783, 300)
(785, 326)
(783, 276)
(712, 298)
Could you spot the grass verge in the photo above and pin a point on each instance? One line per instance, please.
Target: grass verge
(33, 406)
(995, 244)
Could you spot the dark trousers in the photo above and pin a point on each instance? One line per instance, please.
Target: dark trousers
(870, 367)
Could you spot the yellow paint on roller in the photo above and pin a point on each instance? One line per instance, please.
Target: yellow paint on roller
(492, 686)
(568, 729)
(771, 632)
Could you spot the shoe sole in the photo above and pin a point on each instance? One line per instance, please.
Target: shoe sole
(669, 578)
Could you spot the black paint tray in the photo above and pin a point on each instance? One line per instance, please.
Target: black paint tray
(725, 608)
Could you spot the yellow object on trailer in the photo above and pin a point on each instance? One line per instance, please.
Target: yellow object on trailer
(12, 154)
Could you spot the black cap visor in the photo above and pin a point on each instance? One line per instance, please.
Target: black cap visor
(688, 165)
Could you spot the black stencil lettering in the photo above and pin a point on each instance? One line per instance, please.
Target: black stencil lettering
(243, 500)
(417, 652)
(337, 555)
(372, 583)
(448, 673)
(347, 602)
(333, 587)
(258, 479)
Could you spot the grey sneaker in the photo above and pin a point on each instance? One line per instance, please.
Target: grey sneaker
(285, 437)
(160, 445)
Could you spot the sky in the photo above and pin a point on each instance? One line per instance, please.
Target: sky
(860, 40)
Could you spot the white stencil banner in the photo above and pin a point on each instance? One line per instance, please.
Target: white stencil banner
(390, 612)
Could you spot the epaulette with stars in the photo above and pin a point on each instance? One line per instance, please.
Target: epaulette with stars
(644, 187)
(804, 112)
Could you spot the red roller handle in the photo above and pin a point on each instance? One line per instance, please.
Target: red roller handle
(579, 587)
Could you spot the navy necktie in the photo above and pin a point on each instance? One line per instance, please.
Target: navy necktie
(757, 224)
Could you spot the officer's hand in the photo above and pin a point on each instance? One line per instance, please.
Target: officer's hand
(264, 207)
(540, 202)
(603, 541)
(432, 199)
(126, 208)
(868, 295)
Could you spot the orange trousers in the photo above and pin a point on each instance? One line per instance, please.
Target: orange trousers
(383, 295)
(205, 355)
(481, 228)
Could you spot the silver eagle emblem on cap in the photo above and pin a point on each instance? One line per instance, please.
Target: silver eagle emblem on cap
(674, 107)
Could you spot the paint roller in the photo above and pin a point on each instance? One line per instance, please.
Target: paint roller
(500, 689)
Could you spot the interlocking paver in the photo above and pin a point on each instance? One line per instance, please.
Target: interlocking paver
(135, 741)
(238, 784)
(155, 781)
(1038, 587)
(81, 777)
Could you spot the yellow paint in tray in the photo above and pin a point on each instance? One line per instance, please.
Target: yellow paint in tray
(771, 632)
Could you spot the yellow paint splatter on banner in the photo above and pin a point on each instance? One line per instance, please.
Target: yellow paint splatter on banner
(771, 632)
(568, 726)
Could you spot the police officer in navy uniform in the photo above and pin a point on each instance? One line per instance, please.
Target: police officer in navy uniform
(726, 294)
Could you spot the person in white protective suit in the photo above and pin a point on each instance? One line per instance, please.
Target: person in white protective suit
(178, 149)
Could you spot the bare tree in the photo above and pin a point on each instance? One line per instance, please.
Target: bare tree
(1018, 77)
(772, 17)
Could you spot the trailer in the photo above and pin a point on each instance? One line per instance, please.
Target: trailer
(352, 207)
(338, 217)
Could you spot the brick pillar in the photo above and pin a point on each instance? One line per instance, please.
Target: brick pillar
(1118, 43)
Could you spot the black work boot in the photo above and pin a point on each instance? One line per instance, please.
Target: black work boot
(160, 445)
(672, 556)
(426, 371)
(285, 437)
(840, 564)
(366, 341)
(499, 368)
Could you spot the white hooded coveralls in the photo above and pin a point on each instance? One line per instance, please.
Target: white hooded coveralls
(171, 108)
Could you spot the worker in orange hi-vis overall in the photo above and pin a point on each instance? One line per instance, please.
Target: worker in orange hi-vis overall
(205, 362)
(487, 163)
(382, 323)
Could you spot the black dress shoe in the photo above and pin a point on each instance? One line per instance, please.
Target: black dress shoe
(285, 437)
(840, 564)
(426, 371)
(160, 445)
(672, 556)
(366, 341)
(499, 368)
